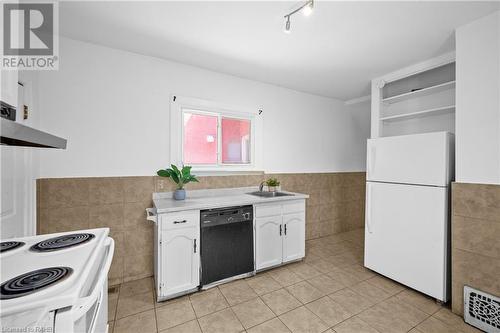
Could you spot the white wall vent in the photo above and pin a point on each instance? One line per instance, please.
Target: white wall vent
(482, 310)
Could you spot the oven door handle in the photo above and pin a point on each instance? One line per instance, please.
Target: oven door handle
(86, 303)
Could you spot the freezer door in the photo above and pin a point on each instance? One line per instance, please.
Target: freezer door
(422, 159)
(406, 235)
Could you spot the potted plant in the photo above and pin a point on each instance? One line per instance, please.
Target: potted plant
(272, 184)
(180, 177)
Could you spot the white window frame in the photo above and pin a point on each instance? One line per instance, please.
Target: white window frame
(179, 105)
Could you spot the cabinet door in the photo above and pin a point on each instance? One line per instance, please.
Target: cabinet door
(293, 236)
(180, 260)
(268, 250)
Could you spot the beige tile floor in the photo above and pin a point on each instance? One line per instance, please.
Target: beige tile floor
(329, 291)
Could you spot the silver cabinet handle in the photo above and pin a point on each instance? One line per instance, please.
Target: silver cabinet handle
(285, 229)
(177, 222)
(281, 229)
(195, 245)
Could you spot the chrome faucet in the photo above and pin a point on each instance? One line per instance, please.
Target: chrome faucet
(261, 186)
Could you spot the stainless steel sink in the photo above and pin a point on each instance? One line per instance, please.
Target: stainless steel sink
(270, 194)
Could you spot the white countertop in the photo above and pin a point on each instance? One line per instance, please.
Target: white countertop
(215, 198)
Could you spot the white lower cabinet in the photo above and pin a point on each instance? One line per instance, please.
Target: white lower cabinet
(268, 241)
(179, 255)
(279, 238)
(280, 233)
(294, 236)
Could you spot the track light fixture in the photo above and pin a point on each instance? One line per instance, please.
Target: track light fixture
(306, 9)
(287, 25)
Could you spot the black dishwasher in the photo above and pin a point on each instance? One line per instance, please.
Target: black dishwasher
(226, 243)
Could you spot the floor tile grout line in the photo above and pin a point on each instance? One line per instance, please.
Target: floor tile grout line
(354, 315)
(155, 312)
(116, 307)
(301, 303)
(158, 328)
(428, 316)
(275, 315)
(153, 308)
(377, 302)
(241, 323)
(136, 313)
(195, 316)
(199, 325)
(358, 318)
(285, 323)
(446, 324)
(230, 306)
(328, 294)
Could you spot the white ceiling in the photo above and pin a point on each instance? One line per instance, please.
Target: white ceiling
(334, 52)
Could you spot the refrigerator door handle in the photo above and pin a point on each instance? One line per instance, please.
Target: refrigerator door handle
(371, 160)
(369, 208)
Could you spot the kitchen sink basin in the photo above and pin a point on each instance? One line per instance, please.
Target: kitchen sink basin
(270, 194)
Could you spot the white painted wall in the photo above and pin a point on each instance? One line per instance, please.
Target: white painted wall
(113, 107)
(478, 101)
(359, 131)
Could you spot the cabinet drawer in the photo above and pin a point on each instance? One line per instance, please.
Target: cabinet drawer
(294, 207)
(180, 220)
(267, 210)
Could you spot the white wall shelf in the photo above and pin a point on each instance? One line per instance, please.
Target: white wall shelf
(423, 113)
(415, 99)
(420, 93)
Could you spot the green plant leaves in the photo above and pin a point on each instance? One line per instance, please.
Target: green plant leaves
(180, 177)
(186, 171)
(192, 179)
(175, 168)
(175, 176)
(163, 173)
(272, 182)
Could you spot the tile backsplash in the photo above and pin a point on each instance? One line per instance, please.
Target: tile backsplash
(475, 240)
(336, 204)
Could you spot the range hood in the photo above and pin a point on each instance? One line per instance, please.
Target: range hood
(16, 134)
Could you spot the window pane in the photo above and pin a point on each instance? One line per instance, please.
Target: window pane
(200, 139)
(235, 141)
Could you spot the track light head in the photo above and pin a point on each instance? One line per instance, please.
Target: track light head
(308, 8)
(287, 25)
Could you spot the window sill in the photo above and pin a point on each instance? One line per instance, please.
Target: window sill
(225, 172)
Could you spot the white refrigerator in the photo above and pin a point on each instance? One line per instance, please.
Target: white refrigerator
(407, 210)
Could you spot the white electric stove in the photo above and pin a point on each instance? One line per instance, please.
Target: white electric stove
(55, 282)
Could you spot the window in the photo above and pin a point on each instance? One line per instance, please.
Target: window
(200, 138)
(235, 141)
(213, 137)
(201, 144)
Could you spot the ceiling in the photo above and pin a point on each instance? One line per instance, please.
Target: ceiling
(334, 52)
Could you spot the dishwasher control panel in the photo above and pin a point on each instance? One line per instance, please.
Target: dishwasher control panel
(227, 215)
